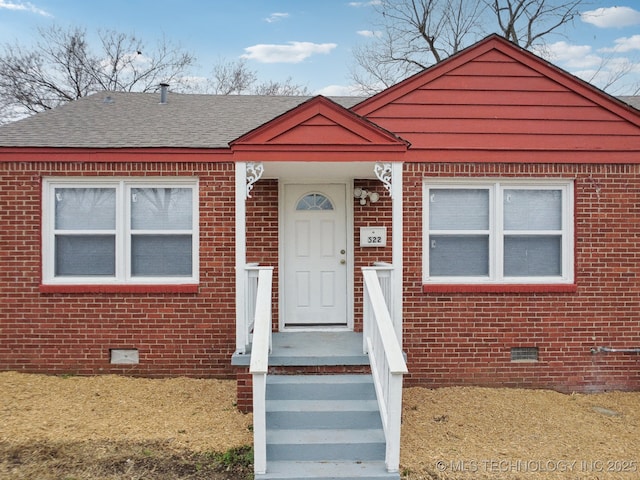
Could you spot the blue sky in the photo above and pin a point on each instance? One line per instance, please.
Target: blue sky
(307, 40)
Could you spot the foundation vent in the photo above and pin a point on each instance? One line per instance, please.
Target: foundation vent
(524, 354)
(127, 356)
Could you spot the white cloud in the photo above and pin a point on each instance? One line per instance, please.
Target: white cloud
(615, 69)
(612, 17)
(339, 91)
(369, 33)
(618, 78)
(571, 56)
(292, 52)
(276, 17)
(23, 7)
(624, 44)
(365, 4)
(617, 74)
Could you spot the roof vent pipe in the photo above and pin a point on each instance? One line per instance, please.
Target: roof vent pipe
(164, 88)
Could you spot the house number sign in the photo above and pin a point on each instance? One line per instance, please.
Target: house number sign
(373, 236)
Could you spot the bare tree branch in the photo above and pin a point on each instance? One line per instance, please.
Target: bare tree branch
(525, 22)
(232, 78)
(235, 78)
(62, 67)
(411, 35)
(287, 88)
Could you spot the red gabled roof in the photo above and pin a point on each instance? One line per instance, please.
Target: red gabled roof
(319, 130)
(497, 102)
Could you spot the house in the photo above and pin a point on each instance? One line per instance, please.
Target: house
(486, 211)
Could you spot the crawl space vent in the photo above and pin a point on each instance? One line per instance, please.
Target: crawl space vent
(128, 356)
(524, 354)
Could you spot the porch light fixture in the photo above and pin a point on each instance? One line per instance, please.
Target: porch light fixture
(362, 194)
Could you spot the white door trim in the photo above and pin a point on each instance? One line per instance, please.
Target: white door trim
(348, 184)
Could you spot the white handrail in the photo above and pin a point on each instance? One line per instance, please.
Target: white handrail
(260, 349)
(244, 327)
(385, 272)
(387, 363)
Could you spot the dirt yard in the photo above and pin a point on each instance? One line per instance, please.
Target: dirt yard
(110, 427)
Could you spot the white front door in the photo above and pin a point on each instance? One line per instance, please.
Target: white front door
(315, 255)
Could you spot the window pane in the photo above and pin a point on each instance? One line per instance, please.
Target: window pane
(314, 201)
(458, 209)
(466, 255)
(532, 209)
(532, 256)
(161, 255)
(85, 255)
(161, 208)
(85, 208)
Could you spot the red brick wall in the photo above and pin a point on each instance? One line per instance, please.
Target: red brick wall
(370, 215)
(175, 333)
(465, 338)
(450, 339)
(262, 232)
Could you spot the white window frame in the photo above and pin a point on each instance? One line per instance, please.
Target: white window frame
(122, 232)
(496, 188)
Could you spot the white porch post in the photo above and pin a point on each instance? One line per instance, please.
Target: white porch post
(397, 224)
(241, 255)
(390, 174)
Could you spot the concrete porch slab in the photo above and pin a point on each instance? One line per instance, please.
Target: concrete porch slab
(311, 348)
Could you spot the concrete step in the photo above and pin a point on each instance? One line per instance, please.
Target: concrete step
(324, 426)
(321, 419)
(321, 405)
(317, 349)
(328, 471)
(325, 444)
(320, 387)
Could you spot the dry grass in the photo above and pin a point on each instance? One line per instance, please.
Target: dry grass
(194, 414)
(476, 433)
(110, 427)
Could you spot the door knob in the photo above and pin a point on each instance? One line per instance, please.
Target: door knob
(343, 261)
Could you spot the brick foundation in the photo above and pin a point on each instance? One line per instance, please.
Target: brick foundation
(244, 390)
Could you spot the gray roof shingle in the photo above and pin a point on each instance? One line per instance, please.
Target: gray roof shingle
(633, 101)
(139, 120)
(136, 120)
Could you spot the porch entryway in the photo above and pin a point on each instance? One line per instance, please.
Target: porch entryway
(327, 404)
(314, 256)
(326, 399)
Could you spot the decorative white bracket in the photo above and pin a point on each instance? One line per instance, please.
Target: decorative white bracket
(383, 172)
(254, 173)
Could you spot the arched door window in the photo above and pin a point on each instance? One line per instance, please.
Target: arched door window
(314, 201)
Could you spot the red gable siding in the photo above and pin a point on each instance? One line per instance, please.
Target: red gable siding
(497, 103)
(319, 129)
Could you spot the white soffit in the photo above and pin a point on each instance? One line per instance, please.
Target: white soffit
(320, 170)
